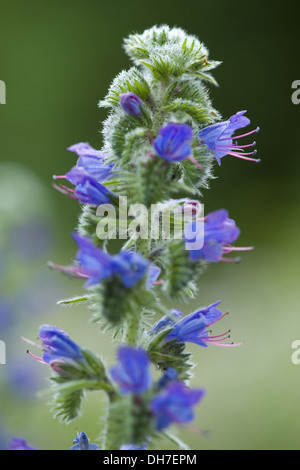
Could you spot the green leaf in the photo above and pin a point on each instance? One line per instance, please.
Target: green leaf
(74, 300)
(200, 115)
(68, 405)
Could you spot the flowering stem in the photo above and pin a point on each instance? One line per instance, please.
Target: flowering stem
(132, 328)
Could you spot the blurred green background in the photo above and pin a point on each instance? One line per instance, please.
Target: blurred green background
(57, 60)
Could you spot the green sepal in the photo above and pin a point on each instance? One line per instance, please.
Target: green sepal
(111, 303)
(171, 354)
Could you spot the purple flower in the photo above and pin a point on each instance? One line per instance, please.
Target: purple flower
(218, 138)
(87, 190)
(130, 266)
(131, 104)
(193, 328)
(81, 442)
(166, 322)
(57, 345)
(91, 163)
(19, 444)
(219, 232)
(175, 405)
(84, 149)
(88, 174)
(88, 167)
(153, 274)
(169, 376)
(95, 264)
(132, 373)
(174, 142)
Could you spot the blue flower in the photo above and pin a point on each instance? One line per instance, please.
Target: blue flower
(88, 167)
(95, 264)
(88, 190)
(84, 149)
(131, 104)
(91, 163)
(218, 138)
(132, 373)
(166, 322)
(219, 232)
(153, 274)
(57, 345)
(193, 327)
(81, 442)
(88, 174)
(169, 376)
(174, 142)
(130, 266)
(19, 444)
(175, 405)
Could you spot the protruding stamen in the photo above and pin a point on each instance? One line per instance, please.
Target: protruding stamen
(33, 343)
(229, 249)
(216, 343)
(218, 319)
(243, 146)
(55, 177)
(212, 340)
(245, 158)
(40, 359)
(68, 270)
(65, 190)
(235, 146)
(242, 135)
(220, 336)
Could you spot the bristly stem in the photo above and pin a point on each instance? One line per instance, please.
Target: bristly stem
(132, 326)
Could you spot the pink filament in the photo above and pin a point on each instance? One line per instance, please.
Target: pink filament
(218, 319)
(240, 136)
(64, 190)
(59, 177)
(243, 157)
(229, 345)
(36, 357)
(229, 249)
